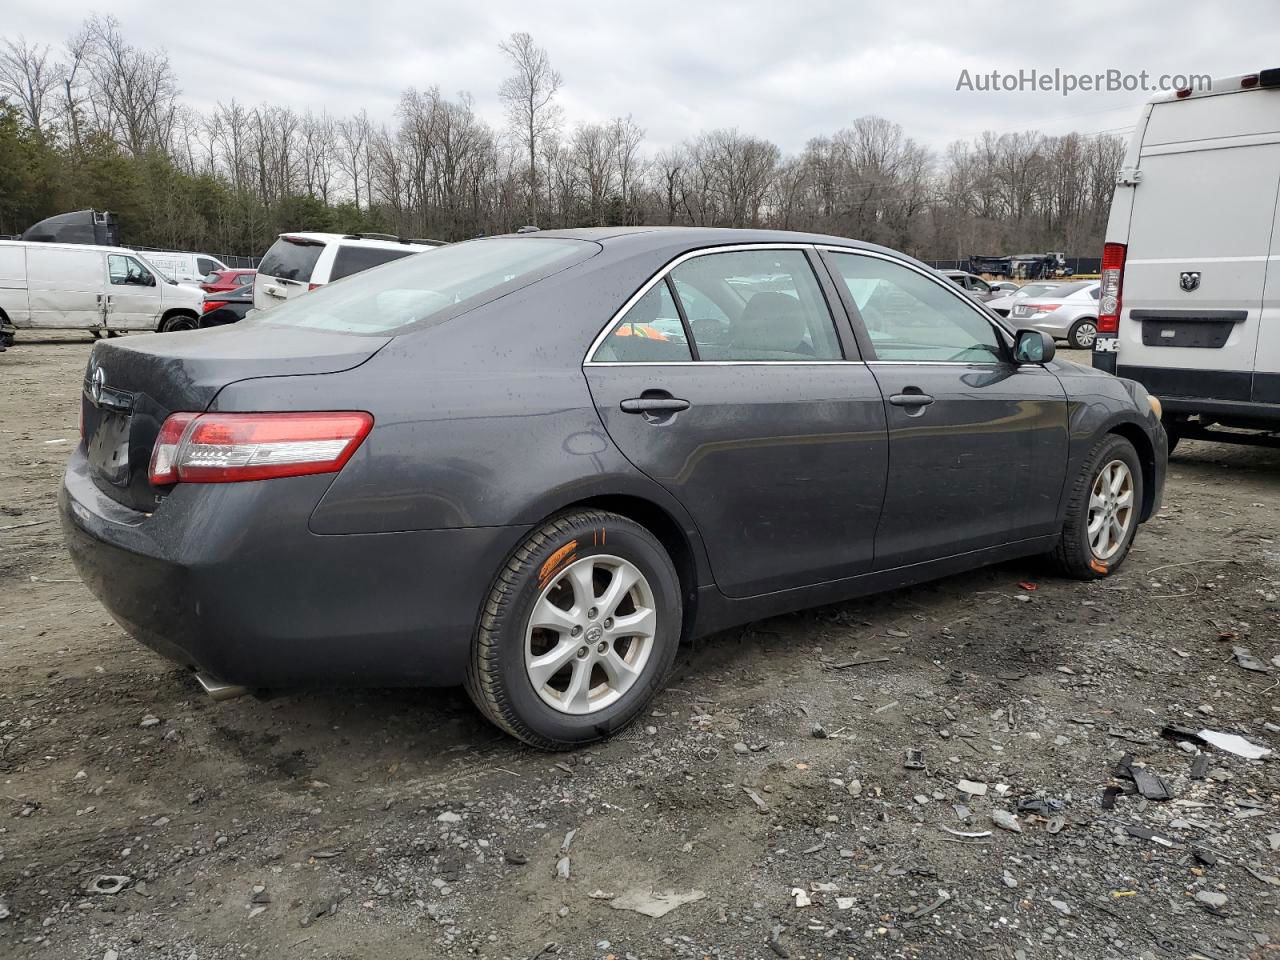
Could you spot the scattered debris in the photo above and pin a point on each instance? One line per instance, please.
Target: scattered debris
(108, 884)
(1233, 743)
(1212, 897)
(801, 897)
(914, 759)
(972, 787)
(1248, 661)
(1006, 821)
(654, 904)
(756, 799)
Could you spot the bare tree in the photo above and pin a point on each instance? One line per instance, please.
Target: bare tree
(529, 94)
(27, 75)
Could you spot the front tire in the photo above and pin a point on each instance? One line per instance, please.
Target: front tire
(1103, 512)
(177, 322)
(1083, 333)
(579, 632)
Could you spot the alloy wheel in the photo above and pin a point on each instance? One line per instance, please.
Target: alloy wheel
(1085, 335)
(590, 634)
(1110, 509)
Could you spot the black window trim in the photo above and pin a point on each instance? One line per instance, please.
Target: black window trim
(820, 277)
(1004, 335)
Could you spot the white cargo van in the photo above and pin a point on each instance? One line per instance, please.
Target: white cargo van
(82, 287)
(1190, 303)
(189, 268)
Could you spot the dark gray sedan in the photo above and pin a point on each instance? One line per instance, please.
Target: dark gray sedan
(535, 463)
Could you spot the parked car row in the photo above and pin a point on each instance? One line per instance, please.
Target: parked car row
(109, 289)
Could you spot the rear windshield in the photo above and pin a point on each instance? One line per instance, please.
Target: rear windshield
(427, 285)
(1067, 289)
(291, 260)
(352, 259)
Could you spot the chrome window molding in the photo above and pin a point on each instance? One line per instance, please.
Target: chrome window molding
(662, 275)
(723, 363)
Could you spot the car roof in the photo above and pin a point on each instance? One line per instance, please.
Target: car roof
(676, 239)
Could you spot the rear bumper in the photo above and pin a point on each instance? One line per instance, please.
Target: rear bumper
(226, 579)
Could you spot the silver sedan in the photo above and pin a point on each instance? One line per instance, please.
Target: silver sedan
(1067, 312)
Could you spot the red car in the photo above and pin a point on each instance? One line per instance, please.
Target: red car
(223, 280)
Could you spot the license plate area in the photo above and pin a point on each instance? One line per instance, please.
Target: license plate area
(109, 447)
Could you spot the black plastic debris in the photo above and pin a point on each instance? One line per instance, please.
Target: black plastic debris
(1040, 806)
(1176, 732)
(914, 759)
(1149, 785)
(1204, 856)
(1109, 797)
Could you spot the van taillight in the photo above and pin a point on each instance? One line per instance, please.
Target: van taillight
(1109, 295)
(230, 447)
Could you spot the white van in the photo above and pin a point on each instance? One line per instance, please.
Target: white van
(81, 287)
(190, 268)
(298, 262)
(1190, 300)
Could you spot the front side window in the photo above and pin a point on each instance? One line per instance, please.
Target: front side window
(127, 271)
(206, 266)
(756, 305)
(650, 332)
(910, 317)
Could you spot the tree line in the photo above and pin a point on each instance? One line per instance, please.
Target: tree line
(100, 122)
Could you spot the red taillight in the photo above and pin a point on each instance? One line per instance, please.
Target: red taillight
(230, 447)
(312, 286)
(1250, 81)
(1183, 94)
(1046, 307)
(1109, 294)
(210, 305)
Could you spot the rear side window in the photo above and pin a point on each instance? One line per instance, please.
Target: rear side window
(420, 289)
(352, 259)
(756, 305)
(291, 259)
(650, 332)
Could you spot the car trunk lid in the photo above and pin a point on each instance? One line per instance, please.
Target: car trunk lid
(131, 386)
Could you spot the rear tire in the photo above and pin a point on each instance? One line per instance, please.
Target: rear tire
(1083, 333)
(1102, 513)
(176, 322)
(585, 676)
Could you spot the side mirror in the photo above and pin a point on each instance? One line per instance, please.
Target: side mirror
(1033, 346)
(151, 280)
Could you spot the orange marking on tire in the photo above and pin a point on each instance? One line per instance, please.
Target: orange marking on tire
(553, 563)
(1097, 567)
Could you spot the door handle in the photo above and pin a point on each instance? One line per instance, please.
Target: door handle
(911, 397)
(658, 405)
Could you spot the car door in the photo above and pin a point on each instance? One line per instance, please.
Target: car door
(977, 444)
(740, 396)
(134, 296)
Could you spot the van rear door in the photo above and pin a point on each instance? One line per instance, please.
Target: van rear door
(67, 286)
(1199, 237)
(13, 284)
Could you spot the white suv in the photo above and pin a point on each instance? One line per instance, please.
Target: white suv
(298, 262)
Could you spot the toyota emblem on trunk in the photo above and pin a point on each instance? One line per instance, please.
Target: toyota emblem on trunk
(97, 380)
(1189, 280)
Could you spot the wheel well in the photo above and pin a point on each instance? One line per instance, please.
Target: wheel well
(663, 526)
(1146, 456)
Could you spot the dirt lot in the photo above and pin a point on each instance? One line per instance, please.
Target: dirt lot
(397, 824)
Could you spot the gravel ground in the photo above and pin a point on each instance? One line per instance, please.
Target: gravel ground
(771, 801)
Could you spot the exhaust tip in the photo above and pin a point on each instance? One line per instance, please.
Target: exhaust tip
(217, 690)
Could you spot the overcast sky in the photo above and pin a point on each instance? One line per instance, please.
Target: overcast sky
(786, 71)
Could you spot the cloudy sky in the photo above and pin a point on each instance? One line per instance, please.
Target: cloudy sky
(786, 71)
